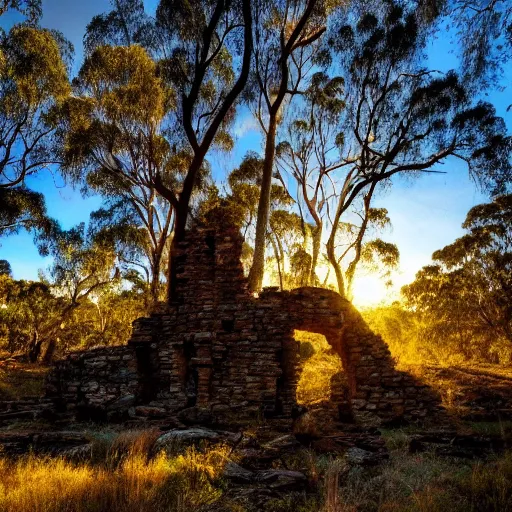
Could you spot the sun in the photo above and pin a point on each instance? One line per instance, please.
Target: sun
(369, 291)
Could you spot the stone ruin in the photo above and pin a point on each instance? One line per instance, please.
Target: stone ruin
(219, 354)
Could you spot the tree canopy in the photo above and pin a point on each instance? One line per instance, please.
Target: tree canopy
(466, 295)
(345, 104)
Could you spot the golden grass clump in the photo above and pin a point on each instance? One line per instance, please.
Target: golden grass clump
(131, 483)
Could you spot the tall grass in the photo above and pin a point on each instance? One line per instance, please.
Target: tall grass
(127, 480)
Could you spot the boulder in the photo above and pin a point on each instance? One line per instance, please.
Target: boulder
(283, 444)
(123, 403)
(187, 437)
(237, 474)
(195, 416)
(150, 412)
(359, 457)
(282, 479)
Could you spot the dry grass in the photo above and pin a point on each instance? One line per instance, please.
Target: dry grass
(320, 363)
(419, 483)
(128, 480)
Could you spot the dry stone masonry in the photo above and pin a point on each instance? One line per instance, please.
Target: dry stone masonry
(217, 353)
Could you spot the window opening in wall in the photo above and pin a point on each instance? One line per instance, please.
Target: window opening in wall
(228, 325)
(146, 371)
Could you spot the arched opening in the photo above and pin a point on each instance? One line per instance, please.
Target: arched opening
(323, 382)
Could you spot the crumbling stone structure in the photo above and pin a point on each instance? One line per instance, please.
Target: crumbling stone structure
(221, 352)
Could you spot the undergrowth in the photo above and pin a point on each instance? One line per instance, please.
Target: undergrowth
(125, 474)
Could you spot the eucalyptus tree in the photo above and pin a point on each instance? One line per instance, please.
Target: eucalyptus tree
(30, 9)
(402, 119)
(24, 209)
(5, 268)
(239, 207)
(82, 269)
(126, 24)
(484, 36)
(112, 132)
(286, 37)
(287, 235)
(207, 57)
(465, 296)
(309, 154)
(33, 81)
(29, 316)
(245, 186)
(203, 52)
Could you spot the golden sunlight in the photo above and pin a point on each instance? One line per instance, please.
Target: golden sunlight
(371, 290)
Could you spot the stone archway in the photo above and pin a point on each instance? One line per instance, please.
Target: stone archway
(322, 381)
(376, 388)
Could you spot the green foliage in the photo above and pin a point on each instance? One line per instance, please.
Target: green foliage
(465, 297)
(300, 265)
(37, 316)
(30, 315)
(21, 208)
(31, 9)
(126, 24)
(484, 30)
(33, 82)
(5, 268)
(112, 138)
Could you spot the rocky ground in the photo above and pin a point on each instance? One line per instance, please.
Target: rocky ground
(270, 461)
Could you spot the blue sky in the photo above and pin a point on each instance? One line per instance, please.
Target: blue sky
(426, 213)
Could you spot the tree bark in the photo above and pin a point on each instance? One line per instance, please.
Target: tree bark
(35, 348)
(154, 290)
(331, 255)
(317, 240)
(50, 351)
(278, 260)
(258, 263)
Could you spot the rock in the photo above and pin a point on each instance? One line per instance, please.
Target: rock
(456, 445)
(282, 479)
(360, 457)
(187, 436)
(282, 444)
(124, 402)
(150, 412)
(18, 415)
(237, 474)
(195, 416)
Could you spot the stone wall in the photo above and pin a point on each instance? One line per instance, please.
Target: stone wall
(219, 350)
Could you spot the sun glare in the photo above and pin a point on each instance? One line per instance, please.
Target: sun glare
(369, 291)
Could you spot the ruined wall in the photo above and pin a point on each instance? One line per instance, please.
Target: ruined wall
(219, 349)
(94, 378)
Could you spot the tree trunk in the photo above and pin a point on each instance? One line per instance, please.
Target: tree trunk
(50, 351)
(317, 240)
(278, 260)
(35, 348)
(154, 289)
(336, 266)
(258, 263)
